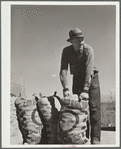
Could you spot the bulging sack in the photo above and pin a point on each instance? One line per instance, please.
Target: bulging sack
(71, 128)
(49, 116)
(15, 134)
(29, 121)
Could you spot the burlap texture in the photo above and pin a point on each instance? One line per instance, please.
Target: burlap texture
(71, 128)
(29, 121)
(49, 116)
(15, 134)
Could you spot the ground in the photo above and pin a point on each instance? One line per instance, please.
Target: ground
(108, 137)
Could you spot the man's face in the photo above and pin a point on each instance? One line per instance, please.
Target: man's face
(77, 43)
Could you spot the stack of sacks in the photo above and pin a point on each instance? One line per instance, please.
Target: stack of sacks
(49, 115)
(15, 134)
(72, 122)
(29, 121)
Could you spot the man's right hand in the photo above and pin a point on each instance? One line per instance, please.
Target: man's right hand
(66, 92)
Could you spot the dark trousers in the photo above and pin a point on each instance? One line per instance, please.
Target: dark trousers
(94, 103)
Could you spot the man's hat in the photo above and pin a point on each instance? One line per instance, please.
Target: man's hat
(75, 33)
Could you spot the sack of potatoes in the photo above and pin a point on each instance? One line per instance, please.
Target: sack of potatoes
(15, 133)
(29, 121)
(72, 124)
(49, 115)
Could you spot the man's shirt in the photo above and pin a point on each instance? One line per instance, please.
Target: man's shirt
(81, 64)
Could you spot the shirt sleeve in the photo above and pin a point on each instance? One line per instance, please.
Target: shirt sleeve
(64, 69)
(88, 69)
(64, 60)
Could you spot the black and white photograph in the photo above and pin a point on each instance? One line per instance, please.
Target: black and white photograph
(60, 74)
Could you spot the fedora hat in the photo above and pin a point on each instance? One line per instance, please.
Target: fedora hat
(75, 33)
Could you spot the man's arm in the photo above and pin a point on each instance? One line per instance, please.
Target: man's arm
(63, 78)
(64, 69)
(89, 69)
(89, 65)
(63, 73)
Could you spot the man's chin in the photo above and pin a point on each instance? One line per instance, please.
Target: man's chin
(81, 47)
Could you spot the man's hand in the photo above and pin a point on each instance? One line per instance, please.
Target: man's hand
(84, 95)
(66, 92)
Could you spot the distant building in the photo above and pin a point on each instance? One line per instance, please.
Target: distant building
(17, 85)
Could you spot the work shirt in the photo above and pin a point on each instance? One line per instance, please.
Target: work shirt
(81, 64)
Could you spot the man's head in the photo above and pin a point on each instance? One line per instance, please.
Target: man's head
(77, 39)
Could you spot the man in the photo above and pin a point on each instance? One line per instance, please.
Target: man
(80, 57)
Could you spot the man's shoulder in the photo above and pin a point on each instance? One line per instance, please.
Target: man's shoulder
(88, 49)
(68, 48)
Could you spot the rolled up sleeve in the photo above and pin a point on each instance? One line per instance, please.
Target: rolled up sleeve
(64, 60)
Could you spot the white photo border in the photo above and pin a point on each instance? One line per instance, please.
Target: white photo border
(6, 65)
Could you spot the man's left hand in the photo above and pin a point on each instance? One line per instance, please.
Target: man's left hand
(84, 95)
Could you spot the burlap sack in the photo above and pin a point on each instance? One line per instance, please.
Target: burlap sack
(15, 134)
(29, 121)
(71, 128)
(49, 116)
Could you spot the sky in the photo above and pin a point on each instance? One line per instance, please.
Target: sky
(39, 34)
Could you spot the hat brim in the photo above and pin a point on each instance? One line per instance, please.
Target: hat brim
(77, 36)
